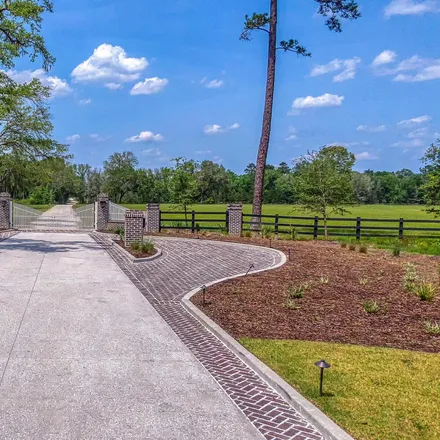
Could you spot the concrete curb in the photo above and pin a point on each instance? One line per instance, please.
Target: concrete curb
(329, 429)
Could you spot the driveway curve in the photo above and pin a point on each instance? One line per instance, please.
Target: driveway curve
(84, 356)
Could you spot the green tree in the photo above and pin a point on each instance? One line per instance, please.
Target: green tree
(120, 175)
(184, 184)
(323, 180)
(431, 172)
(334, 11)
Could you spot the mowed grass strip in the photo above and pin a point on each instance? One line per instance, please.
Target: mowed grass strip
(373, 393)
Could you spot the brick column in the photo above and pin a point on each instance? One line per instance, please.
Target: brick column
(5, 210)
(103, 215)
(153, 217)
(235, 211)
(134, 227)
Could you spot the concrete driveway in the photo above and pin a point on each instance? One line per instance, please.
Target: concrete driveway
(83, 355)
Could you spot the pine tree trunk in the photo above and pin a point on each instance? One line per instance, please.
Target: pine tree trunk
(267, 118)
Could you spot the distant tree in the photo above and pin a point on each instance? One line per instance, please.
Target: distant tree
(184, 184)
(431, 172)
(362, 187)
(212, 182)
(334, 10)
(120, 175)
(323, 180)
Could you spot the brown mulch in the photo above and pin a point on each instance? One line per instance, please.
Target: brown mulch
(254, 306)
(137, 254)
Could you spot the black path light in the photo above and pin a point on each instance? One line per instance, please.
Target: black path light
(322, 364)
(250, 268)
(204, 294)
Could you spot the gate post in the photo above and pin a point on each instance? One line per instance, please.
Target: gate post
(235, 217)
(152, 223)
(103, 212)
(134, 227)
(5, 210)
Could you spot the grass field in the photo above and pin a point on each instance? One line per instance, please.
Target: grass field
(373, 393)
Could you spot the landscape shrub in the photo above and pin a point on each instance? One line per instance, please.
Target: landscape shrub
(363, 249)
(363, 281)
(352, 247)
(425, 291)
(432, 328)
(291, 304)
(371, 306)
(411, 278)
(267, 232)
(135, 246)
(147, 247)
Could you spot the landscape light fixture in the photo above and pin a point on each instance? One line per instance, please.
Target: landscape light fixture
(204, 295)
(322, 364)
(250, 267)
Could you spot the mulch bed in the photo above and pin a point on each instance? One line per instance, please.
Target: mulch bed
(137, 254)
(254, 306)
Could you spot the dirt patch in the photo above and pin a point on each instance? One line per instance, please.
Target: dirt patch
(138, 253)
(332, 309)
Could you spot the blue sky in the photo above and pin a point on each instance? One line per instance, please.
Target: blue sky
(169, 78)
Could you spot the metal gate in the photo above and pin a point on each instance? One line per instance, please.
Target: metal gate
(60, 217)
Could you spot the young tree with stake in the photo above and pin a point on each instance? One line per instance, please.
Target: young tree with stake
(334, 11)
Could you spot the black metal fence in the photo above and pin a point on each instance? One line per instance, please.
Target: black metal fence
(357, 227)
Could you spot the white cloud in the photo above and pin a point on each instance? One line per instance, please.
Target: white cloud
(414, 143)
(99, 138)
(145, 136)
(217, 159)
(213, 84)
(411, 7)
(152, 152)
(73, 138)
(109, 63)
(113, 86)
(385, 57)
(347, 67)
(413, 69)
(59, 87)
(293, 134)
(84, 101)
(415, 121)
(422, 132)
(149, 86)
(365, 155)
(326, 100)
(216, 129)
(372, 128)
(202, 152)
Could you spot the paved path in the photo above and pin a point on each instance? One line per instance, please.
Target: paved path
(83, 355)
(59, 217)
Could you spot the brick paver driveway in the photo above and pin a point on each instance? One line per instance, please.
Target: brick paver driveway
(83, 355)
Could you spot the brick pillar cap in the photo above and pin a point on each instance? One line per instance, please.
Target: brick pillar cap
(134, 213)
(5, 195)
(102, 197)
(153, 205)
(235, 205)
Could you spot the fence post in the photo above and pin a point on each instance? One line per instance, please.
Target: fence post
(103, 214)
(235, 218)
(315, 228)
(193, 221)
(153, 218)
(358, 228)
(401, 229)
(227, 220)
(276, 225)
(5, 210)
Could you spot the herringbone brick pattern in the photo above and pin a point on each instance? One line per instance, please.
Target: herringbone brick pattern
(187, 264)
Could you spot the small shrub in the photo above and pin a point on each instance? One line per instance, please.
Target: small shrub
(198, 227)
(343, 245)
(296, 292)
(363, 249)
(291, 304)
(371, 306)
(147, 247)
(363, 281)
(135, 246)
(247, 234)
(292, 233)
(177, 225)
(396, 251)
(411, 278)
(324, 279)
(425, 291)
(352, 247)
(432, 328)
(267, 232)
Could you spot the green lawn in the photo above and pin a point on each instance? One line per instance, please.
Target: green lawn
(42, 208)
(373, 393)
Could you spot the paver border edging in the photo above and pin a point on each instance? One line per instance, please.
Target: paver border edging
(327, 427)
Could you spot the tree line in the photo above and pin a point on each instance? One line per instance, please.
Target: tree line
(55, 180)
